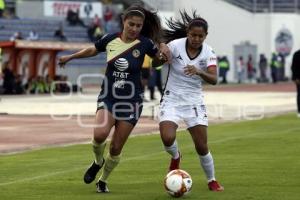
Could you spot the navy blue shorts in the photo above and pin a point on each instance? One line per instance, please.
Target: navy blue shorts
(122, 111)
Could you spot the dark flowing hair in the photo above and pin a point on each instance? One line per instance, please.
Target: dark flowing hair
(152, 26)
(178, 28)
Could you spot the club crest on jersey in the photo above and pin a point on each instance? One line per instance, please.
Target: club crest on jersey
(202, 63)
(121, 64)
(136, 53)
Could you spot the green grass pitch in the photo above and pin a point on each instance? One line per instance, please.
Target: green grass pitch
(253, 159)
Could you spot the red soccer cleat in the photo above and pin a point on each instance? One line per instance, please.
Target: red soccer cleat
(215, 186)
(174, 164)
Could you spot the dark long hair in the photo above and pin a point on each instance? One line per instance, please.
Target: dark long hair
(178, 28)
(152, 26)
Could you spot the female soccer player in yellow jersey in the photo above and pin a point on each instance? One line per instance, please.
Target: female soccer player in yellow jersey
(121, 96)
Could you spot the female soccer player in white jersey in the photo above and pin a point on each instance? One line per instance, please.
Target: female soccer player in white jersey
(193, 61)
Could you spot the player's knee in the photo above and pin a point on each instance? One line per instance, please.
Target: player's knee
(168, 140)
(115, 150)
(100, 134)
(202, 149)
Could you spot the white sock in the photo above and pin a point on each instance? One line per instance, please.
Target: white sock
(98, 149)
(173, 150)
(207, 164)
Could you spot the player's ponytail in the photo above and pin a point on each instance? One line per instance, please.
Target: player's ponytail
(178, 28)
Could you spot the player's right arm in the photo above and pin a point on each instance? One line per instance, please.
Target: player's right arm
(84, 53)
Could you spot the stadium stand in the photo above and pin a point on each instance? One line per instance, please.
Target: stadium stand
(97, 61)
(263, 6)
(45, 29)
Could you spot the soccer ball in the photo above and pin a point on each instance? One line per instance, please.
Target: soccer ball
(178, 183)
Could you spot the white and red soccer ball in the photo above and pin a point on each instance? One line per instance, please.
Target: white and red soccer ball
(178, 183)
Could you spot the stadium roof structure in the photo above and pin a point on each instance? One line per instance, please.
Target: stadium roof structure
(47, 45)
(268, 6)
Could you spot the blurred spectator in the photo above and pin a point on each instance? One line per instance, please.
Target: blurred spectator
(240, 66)
(90, 32)
(0, 60)
(19, 89)
(98, 33)
(146, 72)
(71, 17)
(97, 21)
(33, 35)
(8, 79)
(16, 36)
(40, 87)
(108, 14)
(74, 19)
(263, 64)
(112, 26)
(224, 67)
(95, 30)
(49, 81)
(64, 87)
(281, 73)
(296, 76)
(59, 33)
(30, 85)
(2, 7)
(108, 18)
(60, 84)
(250, 69)
(155, 81)
(275, 64)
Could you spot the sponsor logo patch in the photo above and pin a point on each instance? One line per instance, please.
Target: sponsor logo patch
(121, 64)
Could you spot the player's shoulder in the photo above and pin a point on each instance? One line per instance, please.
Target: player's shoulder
(208, 49)
(109, 36)
(144, 39)
(178, 42)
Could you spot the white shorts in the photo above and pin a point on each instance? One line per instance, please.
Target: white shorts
(192, 115)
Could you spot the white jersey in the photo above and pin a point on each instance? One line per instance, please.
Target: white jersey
(183, 89)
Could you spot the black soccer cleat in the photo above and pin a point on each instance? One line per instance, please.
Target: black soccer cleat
(101, 187)
(91, 172)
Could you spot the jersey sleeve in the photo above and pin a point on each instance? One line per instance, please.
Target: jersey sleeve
(171, 46)
(151, 48)
(102, 42)
(212, 59)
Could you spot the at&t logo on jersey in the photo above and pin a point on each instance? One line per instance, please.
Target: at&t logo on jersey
(120, 76)
(121, 64)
